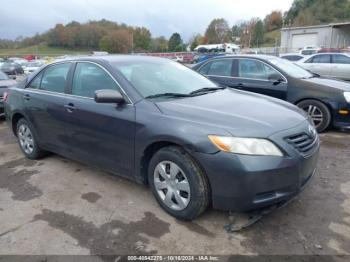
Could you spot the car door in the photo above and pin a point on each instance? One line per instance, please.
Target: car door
(99, 134)
(340, 66)
(44, 99)
(257, 76)
(319, 64)
(219, 71)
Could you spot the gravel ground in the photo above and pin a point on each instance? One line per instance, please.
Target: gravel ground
(57, 206)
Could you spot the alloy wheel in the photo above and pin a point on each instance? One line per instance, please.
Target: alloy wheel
(315, 114)
(26, 139)
(172, 185)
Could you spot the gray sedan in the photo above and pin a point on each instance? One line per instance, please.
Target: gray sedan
(162, 124)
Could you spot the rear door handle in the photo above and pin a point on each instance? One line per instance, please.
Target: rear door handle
(240, 85)
(69, 107)
(26, 97)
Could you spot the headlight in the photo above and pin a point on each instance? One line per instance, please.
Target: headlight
(347, 96)
(245, 146)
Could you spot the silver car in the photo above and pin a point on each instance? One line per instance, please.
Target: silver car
(336, 65)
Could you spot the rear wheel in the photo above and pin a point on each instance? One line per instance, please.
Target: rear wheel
(178, 184)
(27, 141)
(317, 112)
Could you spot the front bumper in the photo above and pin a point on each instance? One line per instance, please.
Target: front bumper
(243, 183)
(341, 120)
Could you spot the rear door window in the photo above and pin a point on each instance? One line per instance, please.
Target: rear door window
(55, 78)
(89, 78)
(221, 67)
(341, 59)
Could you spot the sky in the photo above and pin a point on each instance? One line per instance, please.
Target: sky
(162, 17)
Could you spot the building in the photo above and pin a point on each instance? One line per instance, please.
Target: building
(335, 35)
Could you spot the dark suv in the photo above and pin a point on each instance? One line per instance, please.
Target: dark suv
(162, 124)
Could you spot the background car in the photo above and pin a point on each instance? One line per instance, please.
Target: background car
(309, 50)
(292, 57)
(327, 101)
(11, 69)
(32, 66)
(5, 82)
(335, 65)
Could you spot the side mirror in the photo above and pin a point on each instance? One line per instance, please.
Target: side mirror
(275, 78)
(109, 96)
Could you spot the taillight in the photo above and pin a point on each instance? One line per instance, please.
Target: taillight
(5, 96)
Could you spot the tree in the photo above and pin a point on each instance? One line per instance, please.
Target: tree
(258, 33)
(236, 30)
(118, 41)
(273, 21)
(195, 40)
(159, 44)
(218, 32)
(175, 42)
(142, 38)
(309, 12)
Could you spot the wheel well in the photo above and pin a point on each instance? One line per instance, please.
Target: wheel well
(147, 155)
(15, 118)
(315, 99)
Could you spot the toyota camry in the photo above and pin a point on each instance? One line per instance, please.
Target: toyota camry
(155, 121)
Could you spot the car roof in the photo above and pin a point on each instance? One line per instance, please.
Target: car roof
(112, 58)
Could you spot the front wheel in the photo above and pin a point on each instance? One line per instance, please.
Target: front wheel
(318, 113)
(178, 184)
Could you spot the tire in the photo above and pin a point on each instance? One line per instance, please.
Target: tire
(318, 112)
(27, 141)
(194, 197)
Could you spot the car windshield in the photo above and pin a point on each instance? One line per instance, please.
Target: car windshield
(161, 76)
(290, 68)
(3, 76)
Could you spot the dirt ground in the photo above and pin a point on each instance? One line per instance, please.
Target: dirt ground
(56, 206)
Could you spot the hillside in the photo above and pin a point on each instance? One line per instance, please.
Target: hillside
(43, 50)
(313, 12)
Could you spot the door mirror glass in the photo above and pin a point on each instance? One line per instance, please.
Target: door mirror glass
(109, 96)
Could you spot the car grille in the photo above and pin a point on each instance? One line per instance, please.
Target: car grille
(303, 142)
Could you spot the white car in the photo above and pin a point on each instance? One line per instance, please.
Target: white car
(309, 50)
(32, 66)
(335, 65)
(177, 58)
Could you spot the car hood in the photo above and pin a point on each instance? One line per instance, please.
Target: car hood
(328, 83)
(238, 112)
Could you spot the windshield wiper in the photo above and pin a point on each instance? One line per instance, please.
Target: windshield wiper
(206, 90)
(168, 95)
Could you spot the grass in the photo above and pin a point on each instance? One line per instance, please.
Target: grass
(42, 50)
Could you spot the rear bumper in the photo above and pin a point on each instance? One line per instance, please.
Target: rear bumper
(243, 183)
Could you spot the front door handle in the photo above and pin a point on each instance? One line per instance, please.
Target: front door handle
(26, 97)
(69, 107)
